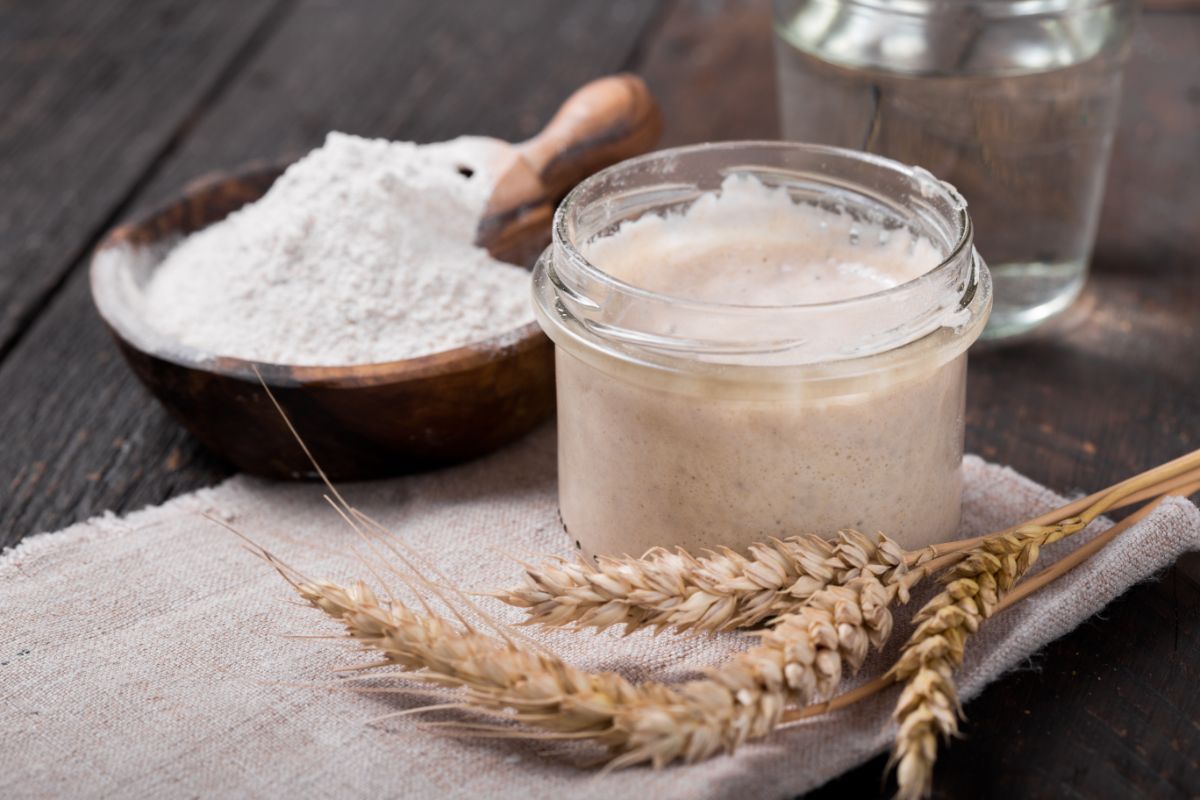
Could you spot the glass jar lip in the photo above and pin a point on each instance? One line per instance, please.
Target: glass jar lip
(928, 182)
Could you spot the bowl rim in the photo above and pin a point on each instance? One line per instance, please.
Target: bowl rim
(110, 305)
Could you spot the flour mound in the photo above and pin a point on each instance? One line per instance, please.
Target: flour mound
(361, 252)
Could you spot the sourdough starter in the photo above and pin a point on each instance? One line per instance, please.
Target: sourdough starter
(652, 457)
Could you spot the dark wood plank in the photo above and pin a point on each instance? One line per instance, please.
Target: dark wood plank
(82, 437)
(1114, 389)
(92, 94)
(412, 70)
(1188, 6)
(712, 68)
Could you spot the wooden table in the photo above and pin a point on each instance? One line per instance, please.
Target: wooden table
(108, 107)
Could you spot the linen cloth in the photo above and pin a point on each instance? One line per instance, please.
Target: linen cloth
(146, 655)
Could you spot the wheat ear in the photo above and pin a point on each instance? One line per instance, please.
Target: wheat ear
(720, 590)
(1023, 590)
(928, 708)
(537, 687)
(802, 658)
(723, 589)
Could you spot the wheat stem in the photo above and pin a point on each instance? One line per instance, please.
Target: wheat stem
(1153, 483)
(1086, 551)
(1023, 590)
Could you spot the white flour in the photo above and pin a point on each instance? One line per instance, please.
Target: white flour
(361, 252)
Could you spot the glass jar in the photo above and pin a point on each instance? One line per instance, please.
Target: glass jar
(1013, 101)
(702, 424)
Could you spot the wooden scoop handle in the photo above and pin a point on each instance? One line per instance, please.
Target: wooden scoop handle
(606, 121)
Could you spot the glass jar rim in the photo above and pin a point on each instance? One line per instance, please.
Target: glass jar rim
(562, 238)
(578, 298)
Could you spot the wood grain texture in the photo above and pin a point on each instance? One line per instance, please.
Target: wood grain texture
(92, 93)
(413, 70)
(712, 68)
(83, 437)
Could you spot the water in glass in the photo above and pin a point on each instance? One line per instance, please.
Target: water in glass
(1012, 101)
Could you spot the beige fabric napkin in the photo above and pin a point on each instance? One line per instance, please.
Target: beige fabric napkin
(145, 656)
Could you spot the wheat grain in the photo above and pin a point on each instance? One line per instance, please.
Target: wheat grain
(718, 591)
(928, 707)
(802, 658)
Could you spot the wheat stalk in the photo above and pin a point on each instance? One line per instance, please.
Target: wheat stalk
(720, 590)
(975, 588)
(1023, 589)
(500, 674)
(802, 658)
(804, 655)
(928, 706)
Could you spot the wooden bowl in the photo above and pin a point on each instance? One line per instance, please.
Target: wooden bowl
(363, 421)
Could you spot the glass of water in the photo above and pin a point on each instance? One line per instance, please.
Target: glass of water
(1012, 101)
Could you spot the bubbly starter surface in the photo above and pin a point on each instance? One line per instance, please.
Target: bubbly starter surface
(648, 458)
(751, 245)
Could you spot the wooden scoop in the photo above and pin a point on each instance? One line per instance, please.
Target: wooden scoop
(375, 420)
(608, 120)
